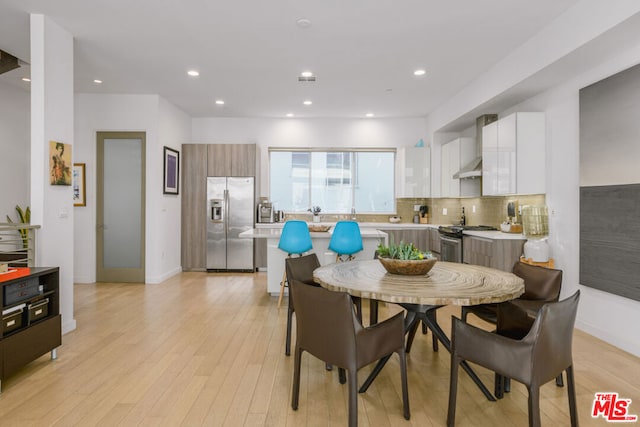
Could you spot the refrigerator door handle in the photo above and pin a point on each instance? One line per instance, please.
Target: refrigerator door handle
(226, 212)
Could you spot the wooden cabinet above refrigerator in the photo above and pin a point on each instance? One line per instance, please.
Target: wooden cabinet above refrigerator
(200, 161)
(231, 160)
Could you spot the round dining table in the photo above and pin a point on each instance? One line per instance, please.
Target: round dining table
(447, 283)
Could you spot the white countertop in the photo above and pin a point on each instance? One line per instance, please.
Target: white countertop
(363, 225)
(267, 230)
(495, 235)
(274, 233)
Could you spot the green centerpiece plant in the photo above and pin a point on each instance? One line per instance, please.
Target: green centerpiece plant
(405, 259)
(404, 251)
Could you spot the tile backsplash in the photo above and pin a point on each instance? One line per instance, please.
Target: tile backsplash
(489, 210)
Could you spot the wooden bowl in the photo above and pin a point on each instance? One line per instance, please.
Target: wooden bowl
(409, 267)
(319, 228)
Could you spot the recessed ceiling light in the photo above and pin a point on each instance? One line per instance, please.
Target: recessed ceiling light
(96, 81)
(306, 74)
(219, 102)
(419, 72)
(193, 73)
(307, 102)
(289, 114)
(370, 115)
(26, 79)
(303, 23)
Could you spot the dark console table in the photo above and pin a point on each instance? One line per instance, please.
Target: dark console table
(31, 321)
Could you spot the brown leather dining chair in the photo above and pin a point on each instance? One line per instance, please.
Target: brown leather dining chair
(541, 355)
(327, 327)
(541, 285)
(301, 270)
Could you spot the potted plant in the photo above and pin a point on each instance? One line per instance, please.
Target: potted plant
(316, 213)
(25, 218)
(405, 258)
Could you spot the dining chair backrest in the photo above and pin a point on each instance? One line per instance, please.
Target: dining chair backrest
(328, 328)
(295, 238)
(298, 269)
(540, 283)
(326, 323)
(301, 268)
(551, 338)
(542, 355)
(346, 238)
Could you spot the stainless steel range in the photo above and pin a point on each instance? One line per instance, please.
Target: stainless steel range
(451, 240)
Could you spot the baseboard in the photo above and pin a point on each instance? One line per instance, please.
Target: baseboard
(622, 342)
(163, 277)
(69, 326)
(84, 279)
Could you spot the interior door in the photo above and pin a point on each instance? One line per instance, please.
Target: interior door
(120, 211)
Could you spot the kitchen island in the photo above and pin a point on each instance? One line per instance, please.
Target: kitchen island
(320, 240)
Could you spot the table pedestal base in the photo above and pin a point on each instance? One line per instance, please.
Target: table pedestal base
(427, 314)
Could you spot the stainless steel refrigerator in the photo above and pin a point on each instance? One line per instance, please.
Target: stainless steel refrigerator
(230, 204)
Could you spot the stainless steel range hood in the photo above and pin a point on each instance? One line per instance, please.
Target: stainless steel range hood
(473, 169)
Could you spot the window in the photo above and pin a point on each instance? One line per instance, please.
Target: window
(337, 181)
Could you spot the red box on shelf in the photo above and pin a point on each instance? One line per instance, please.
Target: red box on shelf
(14, 273)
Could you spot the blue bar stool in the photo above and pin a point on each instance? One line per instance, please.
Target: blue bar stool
(295, 239)
(346, 240)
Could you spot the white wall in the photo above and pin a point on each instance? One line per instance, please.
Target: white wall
(607, 316)
(164, 244)
(52, 120)
(164, 124)
(328, 133)
(14, 148)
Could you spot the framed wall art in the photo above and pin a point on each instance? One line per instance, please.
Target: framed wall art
(79, 185)
(59, 163)
(171, 171)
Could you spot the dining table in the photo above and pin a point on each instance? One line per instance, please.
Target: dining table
(447, 283)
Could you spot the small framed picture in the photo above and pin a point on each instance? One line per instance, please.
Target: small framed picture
(171, 170)
(79, 185)
(59, 161)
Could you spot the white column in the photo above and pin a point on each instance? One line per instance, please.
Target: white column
(52, 120)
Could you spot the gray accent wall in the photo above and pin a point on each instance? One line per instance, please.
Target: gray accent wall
(610, 184)
(610, 239)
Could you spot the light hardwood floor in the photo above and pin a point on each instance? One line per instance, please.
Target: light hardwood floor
(208, 349)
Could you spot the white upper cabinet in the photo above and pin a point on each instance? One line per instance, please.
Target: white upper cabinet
(513, 155)
(416, 177)
(454, 154)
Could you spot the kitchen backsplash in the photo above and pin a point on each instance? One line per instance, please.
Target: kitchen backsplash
(488, 210)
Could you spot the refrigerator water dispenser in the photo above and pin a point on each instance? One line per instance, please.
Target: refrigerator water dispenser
(216, 210)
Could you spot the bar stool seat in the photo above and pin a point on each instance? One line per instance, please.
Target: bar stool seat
(346, 240)
(294, 240)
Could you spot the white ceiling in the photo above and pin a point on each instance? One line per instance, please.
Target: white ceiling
(250, 52)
